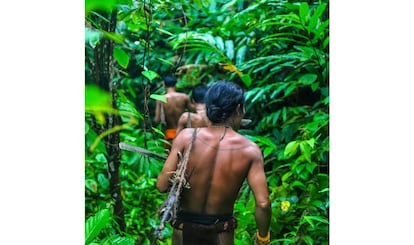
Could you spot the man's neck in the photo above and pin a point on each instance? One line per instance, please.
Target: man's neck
(200, 107)
(170, 89)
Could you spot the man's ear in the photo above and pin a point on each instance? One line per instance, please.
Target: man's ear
(239, 110)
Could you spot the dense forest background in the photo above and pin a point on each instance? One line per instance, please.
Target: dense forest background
(277, 50)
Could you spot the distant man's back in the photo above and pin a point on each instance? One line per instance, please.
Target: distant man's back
(168, 113)
(176, 104)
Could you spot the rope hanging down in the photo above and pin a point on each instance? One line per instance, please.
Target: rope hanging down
(169, 208)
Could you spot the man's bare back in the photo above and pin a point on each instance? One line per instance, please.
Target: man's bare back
(219, 161)
(198, 119)
(176, 104)
(212, 165)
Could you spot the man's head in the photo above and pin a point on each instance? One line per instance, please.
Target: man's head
(170, 81)
(223, 99)
(199, 93)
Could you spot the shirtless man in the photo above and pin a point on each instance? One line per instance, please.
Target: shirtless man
(169, 113)
(198, 119)
(220, 160)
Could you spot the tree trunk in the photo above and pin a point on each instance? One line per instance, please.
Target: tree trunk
(103, 71)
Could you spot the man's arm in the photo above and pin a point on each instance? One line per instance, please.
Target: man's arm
(157, 116)
(182, 122)
(170, 164)
(258, 183)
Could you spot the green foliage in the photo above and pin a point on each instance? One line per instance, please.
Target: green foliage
(277, 49)
(95, 224)
(121, 56)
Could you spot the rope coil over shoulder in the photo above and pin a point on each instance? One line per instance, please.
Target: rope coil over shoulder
(169, 208)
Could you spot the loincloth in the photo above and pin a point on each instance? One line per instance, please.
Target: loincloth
(170, 133)
(203, 229)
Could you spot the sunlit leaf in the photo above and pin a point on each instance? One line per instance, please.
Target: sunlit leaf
(286, 176)
(121, 57)
(103, 181)
(118, 38)
(220, 43)
(159, 97)
(267, 151)
(95, 224)
(311, 142)
(291, 148)
(92, 37)
(305, 150)
(229, 49)
(304, 12)
(86, 128)
(100, 157)
(151, 75)
(99, 5)
(241, 53)
(97, 101)
(315, 17)
(247, 80)
(91, 185)
(97, 98)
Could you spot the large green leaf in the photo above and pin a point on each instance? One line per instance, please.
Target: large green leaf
(247, 80)
(159, 97)
(116, 37)
(315, 17)
(121, 57)
(291, 148)
(303, 12)
(241, 53)
(97, 102)
(229, 49)
(151, 75)
(220, 43)
(99, 5)
(97, 98)
(94, 224)
(305, 150)
(92, 37)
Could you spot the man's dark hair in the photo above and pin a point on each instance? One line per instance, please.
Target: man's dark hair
(170, 81)
(222, 99)
(199, 93)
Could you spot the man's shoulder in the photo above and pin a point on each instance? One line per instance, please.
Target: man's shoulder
(180, 94)
(186, 133)
(248, 144)
(183, 118)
